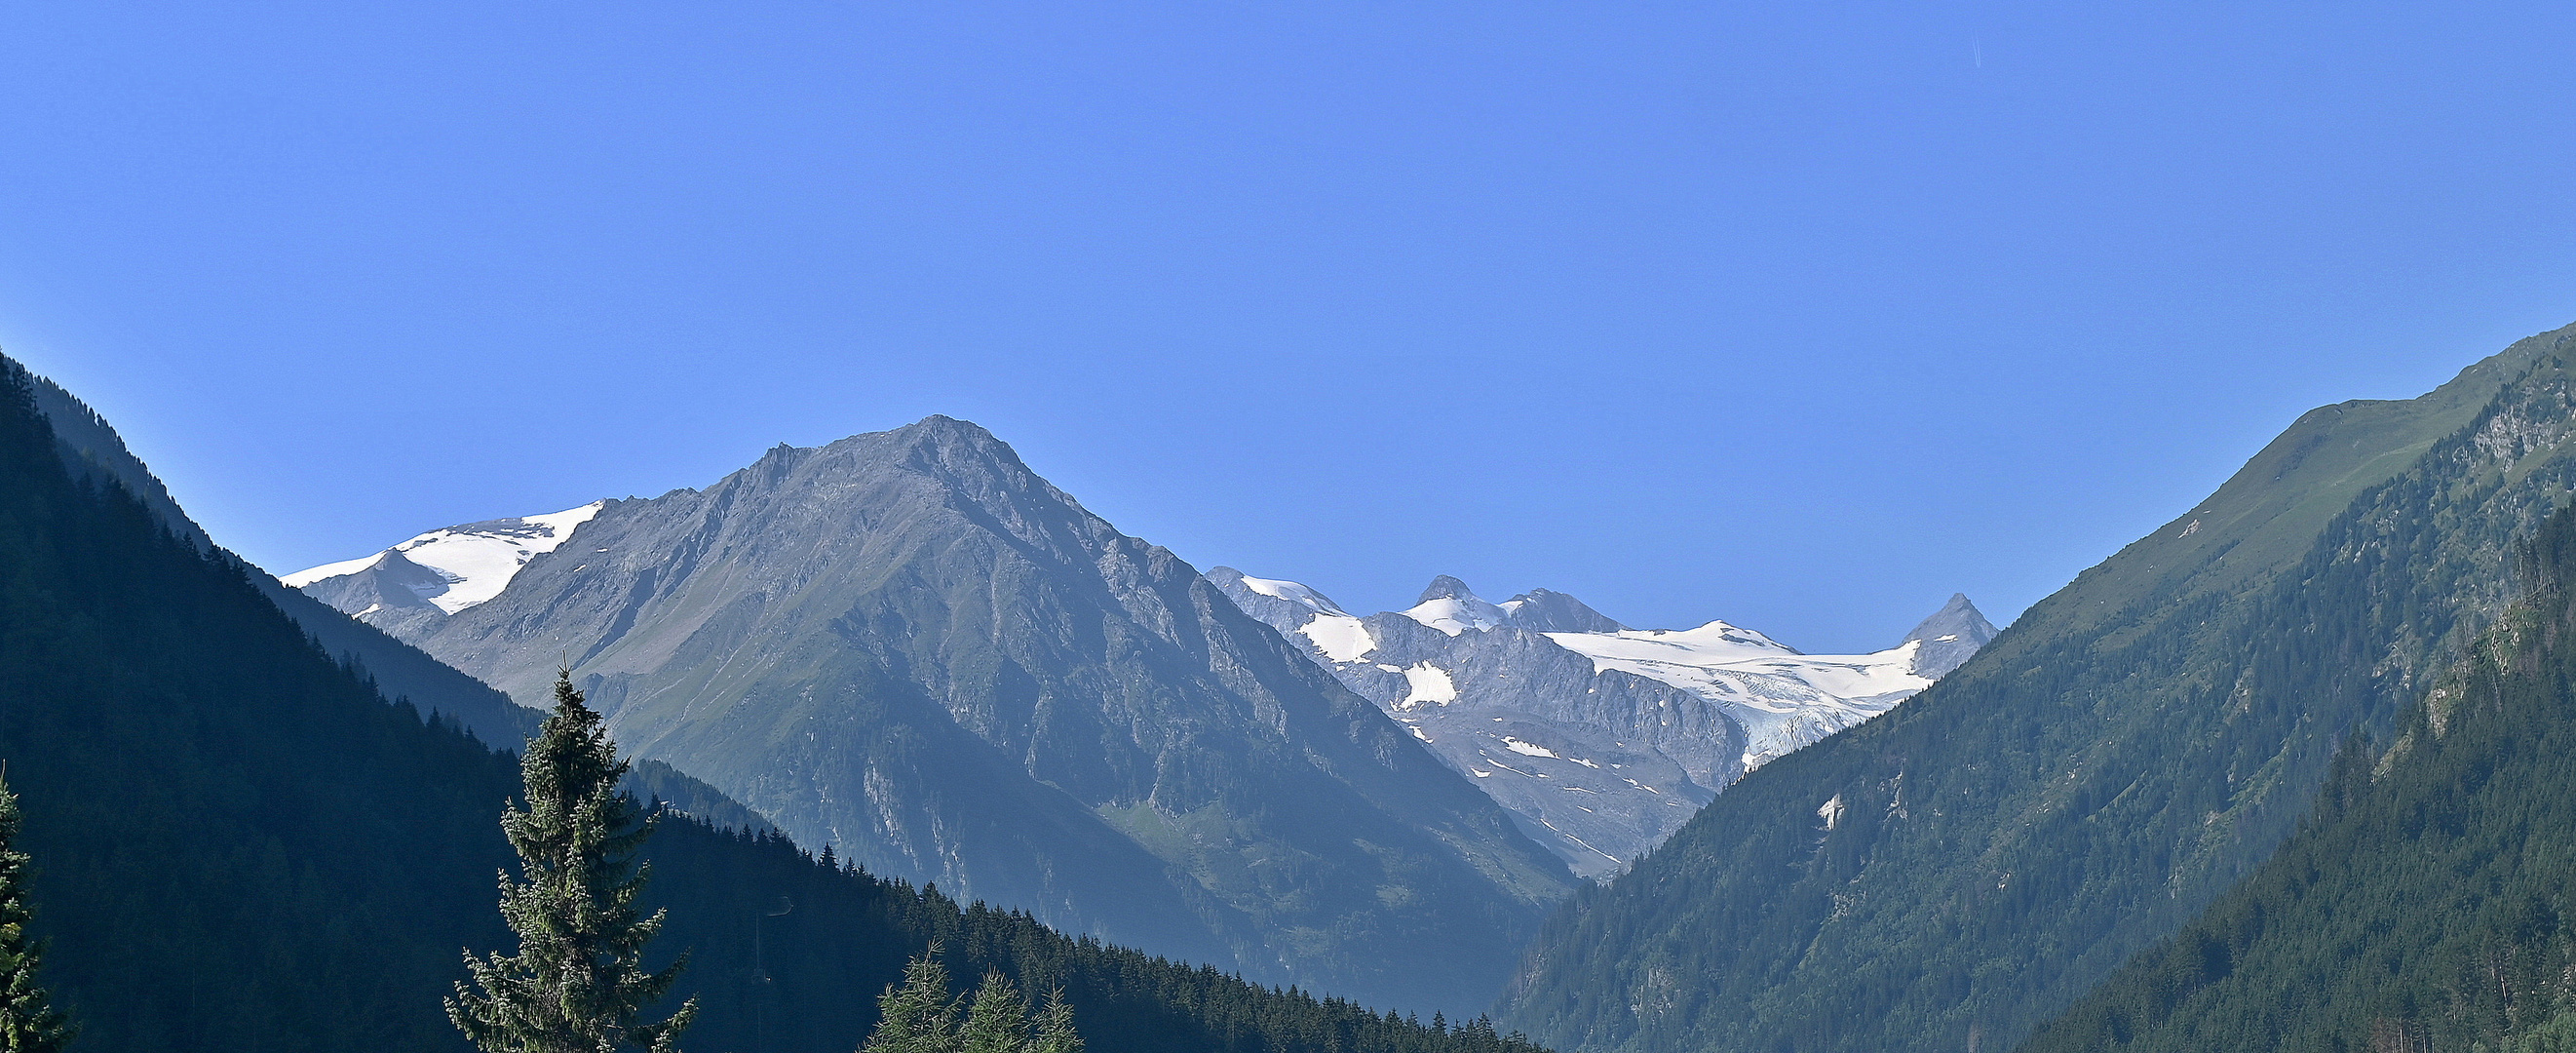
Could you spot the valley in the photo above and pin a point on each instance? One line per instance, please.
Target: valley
(903, 657)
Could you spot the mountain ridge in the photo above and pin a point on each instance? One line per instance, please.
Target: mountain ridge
(2423, 903)
(1600, 739)
(910, 646)
(2129, 748)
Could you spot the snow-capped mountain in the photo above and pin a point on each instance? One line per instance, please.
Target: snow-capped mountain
(443, 571)
(1602, 739)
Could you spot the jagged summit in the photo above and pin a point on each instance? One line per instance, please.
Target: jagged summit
(1444, 587)
(1546, 611)
(1949, 637)
(1602, 739)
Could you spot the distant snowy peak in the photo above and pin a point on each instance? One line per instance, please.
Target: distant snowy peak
(1300, 611)
(1783, 699)
(449, 569)
(1600, 738)
(1289, 591)
(1451, 607)
(1543, 611)
(1457, 614)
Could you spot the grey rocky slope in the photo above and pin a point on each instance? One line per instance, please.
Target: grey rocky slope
(910, 647)
(1950, 637)
(1601, 740)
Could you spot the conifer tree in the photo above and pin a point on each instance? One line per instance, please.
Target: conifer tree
(577, 984)
(1055, 1027)
(919, 1016)
(28, 1021)
(916, 1017)
(998, 1021)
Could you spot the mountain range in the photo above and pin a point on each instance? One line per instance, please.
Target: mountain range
(1601, 740)
(242, 842)
(2283, 774)
(908, 646)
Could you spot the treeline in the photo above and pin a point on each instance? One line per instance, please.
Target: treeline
(1123, 999)
(2426, 905)
(238, 845)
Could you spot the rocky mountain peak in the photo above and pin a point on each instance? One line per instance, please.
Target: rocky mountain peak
(1445, 587)
(909, 645)
(1949, 637)
(1548, 611)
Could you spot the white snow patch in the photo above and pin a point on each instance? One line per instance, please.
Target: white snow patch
(1427, 684)
(327, 571)
(478, 559)
(1339, 637)
(1528, 749)
(1457, 614)
(1784, 699)
(1293, 592)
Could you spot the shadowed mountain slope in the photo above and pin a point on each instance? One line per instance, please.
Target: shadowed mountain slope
(92, 449)
(1954, 873)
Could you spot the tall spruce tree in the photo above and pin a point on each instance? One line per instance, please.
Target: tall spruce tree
(916, 1017)
(1055, 1027)
(998, 1020)
(28, 1021)
(578, 983)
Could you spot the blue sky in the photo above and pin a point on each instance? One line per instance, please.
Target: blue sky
(1801, 315)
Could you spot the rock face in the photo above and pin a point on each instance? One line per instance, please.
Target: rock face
(1601, 740)
(1949, 637)
(910, 647)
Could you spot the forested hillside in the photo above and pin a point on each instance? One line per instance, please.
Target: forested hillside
(1954, 874)
(2427, 906)
(238, 845)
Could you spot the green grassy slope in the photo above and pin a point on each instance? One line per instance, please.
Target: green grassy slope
(2130, 747)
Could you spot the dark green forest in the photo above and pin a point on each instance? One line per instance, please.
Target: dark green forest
(2428, 903)
(238, 844)
(2109, 766)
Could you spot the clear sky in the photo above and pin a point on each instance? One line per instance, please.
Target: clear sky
(1802, 315)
